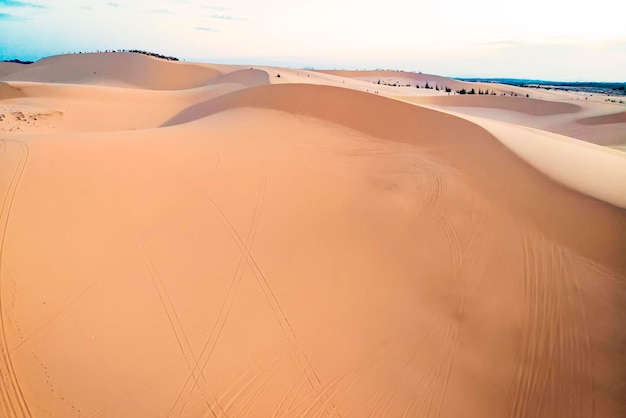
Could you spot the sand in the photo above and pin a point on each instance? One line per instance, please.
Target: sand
(218, 241)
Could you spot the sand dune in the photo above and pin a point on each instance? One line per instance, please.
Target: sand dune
(561, 115)
(7, 68)
(600, 171)
(249, 78)
(604, 119)
(85, 108)
(8, 91)
(402, 76)
(254, 249)
(517, 104)
(124, 69)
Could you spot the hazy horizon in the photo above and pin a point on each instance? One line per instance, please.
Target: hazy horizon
(487, 39)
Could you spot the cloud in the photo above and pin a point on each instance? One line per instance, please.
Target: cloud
(206, 29)
(228, 17)
(5, 17)
(113, 4)
(17, 3)
(161, 12)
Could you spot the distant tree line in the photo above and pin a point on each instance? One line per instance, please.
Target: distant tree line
(152, 54)
(138, 51)
(16, 61)
(134, 51)
(473, 91)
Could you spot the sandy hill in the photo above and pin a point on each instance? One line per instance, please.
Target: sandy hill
(595, 121)
(530, 106)
(618, 118)
(412, 79)
(125, 69)
(7, 68)
(401, 77)
(300, 246)
(89, 107)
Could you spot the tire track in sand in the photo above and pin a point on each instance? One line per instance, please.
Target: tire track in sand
(186, 391)
(437, 379)
(428, 172)
(237, 390)
(304, 363)
(13, 401)
(554, 377)
(301, 379)
(177, 329)
(394, 379)
(102, 278)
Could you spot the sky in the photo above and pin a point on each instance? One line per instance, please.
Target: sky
(535, 39)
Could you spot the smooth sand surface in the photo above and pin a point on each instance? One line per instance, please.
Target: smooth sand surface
(231, 243)
(116, 69)
(527, 106)
(7, 68)
(593, 121)
(605, 119)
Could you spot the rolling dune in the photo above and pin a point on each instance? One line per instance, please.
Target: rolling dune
(8, 91)
(7, 68)
(240, 248)
(89, 108)
(590, 121)
(122, 69)
(524, 105)
(405, 77)
(604, 119)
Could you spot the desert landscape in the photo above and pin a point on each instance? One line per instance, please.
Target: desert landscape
(182, 239)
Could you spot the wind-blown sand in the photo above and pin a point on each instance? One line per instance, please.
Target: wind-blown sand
(218, 241)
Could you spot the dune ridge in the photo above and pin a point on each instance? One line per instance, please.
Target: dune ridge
(389, 119)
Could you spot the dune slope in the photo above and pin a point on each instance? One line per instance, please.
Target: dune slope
(124, 69)
(7, 68)
(604, 119)
(524, 105)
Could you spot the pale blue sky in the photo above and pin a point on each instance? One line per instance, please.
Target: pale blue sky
(557, 40)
